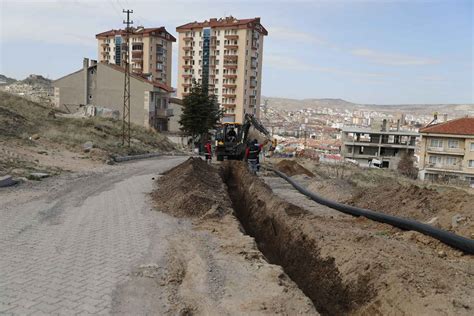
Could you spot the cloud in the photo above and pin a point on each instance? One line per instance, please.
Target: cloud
(392, 59)
(293, 64)
(287, 34)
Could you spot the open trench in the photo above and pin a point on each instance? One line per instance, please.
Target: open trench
(278, 228)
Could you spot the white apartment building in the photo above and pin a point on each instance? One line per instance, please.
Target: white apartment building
(224, 55)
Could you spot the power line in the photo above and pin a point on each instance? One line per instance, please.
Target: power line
(126, 87)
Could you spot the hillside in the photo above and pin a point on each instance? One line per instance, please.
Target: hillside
(296, 104)
(4, 80)
(34, 137)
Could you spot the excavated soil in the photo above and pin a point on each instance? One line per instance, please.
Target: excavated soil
(452, 209)
(191, 189)
(292, 168)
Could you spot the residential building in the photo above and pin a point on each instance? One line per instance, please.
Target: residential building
(150, 51)
(386, 146)
(226, 56)
(101, 84)
(447, 150)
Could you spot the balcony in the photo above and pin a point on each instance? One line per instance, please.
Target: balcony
(104, 44)
(230, 66)
(253, 83)
(229, 86)
(187, 57)
(229, 95)
(124, 47)
(188, 48)
(105, 53)
(188, 66)
(187, 38)
(230, 76)
(160, 59)
(187, 76)
(254, 44)
(230, 57)
(446, 151)
(229, 106)
(185, 94)
(231, 37)
(137, 54)
(231, 47)
(164, 113)
(186, 85)
(136, 67)
(440, 166)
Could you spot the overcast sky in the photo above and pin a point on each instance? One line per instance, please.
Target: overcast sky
(379, 51)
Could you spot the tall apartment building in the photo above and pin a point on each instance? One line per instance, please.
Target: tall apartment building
(226, 56)
(150, 51)
(447, 150)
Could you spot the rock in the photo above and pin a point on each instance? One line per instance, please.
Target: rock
(7, 181)
(441, 254)
(37, 176)
(35, 137)
(456, 219)
(88, 146)
(432, 221)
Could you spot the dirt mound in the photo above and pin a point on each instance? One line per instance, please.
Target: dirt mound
(191, 189)
(292, 168)
(451, 209)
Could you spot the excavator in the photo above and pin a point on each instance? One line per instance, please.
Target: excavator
(232, 138)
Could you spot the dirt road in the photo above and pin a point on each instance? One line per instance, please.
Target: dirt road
(67, 242)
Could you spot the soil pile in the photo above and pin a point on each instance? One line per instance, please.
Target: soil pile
(292, 168)
(191, 189)
(452, 209)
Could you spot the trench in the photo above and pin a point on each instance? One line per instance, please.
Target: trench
(276, 226)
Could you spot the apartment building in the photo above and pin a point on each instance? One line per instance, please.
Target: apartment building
(447, 150)
(385, 146)
(101, 84)
(150, 51)
(226, 56)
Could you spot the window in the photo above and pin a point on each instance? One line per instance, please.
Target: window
(453, 143)
(472, 146)
(451, 161)
(435, 159)
(471, 164)
(436, 143)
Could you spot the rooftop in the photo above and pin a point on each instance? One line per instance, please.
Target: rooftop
(460, 126)
(152, 31)
(229, 21)
(352, 129)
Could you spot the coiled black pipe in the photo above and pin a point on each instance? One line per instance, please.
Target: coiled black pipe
(453, 240)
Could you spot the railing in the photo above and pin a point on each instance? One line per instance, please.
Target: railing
(446, 150)
(444, 166)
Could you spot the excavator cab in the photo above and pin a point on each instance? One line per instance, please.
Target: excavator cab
(231, 138)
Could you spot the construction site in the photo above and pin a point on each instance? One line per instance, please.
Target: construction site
(121, 195)
(177, 235)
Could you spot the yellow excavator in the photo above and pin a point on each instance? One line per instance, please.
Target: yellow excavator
(232, 138)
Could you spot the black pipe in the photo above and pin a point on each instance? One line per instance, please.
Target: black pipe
(453, 240)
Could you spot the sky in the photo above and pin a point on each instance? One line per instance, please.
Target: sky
(368, 52)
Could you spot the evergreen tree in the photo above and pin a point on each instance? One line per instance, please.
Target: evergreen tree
(200, 112)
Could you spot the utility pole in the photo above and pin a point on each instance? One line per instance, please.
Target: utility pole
(126, 86)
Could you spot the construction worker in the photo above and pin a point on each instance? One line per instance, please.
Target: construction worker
(252, 155)
(231, 135)
(208, 151)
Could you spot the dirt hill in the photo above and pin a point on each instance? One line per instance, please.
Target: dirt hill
(33, 137)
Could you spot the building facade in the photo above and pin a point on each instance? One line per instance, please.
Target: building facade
(101, 84)
(150, 51)
(366, 145)
(226, 56)
(447, 151)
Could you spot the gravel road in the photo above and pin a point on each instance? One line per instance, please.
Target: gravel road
(67, 242)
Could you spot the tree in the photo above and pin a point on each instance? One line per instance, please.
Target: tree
(406, 166)
(200, 112)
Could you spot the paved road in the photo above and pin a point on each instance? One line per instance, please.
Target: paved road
(66, 250)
